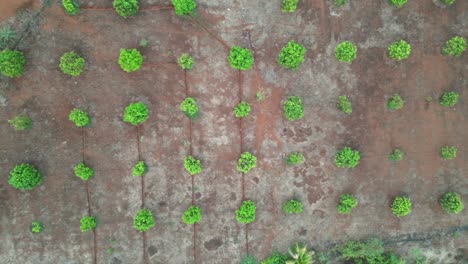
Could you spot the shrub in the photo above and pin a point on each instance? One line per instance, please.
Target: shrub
(289, 6)
(452, 202)
(246, 162)
(189, 107)
(347, 203)
(192, 165)
(25, 177)
(399, 3)
(192, 216)
(241, 58)
(455, 46)
(130, 60)
(292, 55)
(12, 63)
(71, 64)
(143, 220)
(293, 108)
(295, 158)
(361, 252)
(71, 7)
(246, 213)
(79, 117)
(300, 255)
(185, 62)
(139, 169)
(242, 109)
(184, 7)
(83, 171)
(448, 2)
(136, 113)
(20, 123)
(449, 99)
(395, 103)
(344, 104)
(341, 2)
(346, 52)
(347, 158)
(126, 8)
(399, 50)
(249, 259)
(293, 207)
(87, 223)
(36, 227)
(401, 206)
(396, 155)
(448, 152)
(276, 258)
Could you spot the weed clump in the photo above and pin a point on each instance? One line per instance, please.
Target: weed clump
(21, 123)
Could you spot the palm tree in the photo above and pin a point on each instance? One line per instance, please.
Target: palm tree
(7, 36)
(300, 255)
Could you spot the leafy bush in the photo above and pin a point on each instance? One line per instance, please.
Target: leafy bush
(87, 223)
(143, 220)
(184, 7)
(367, 252)
(36, 227)
(276, 258)
(242, 109)
(189, 107)
(136, 113)
(71, 64)
(192, 216)
(399, 3)
(71, 7)
(246, 213)
(449, 99)
(292, 55)
(246, 162)
(25, 177)
(448, 152)
(396, 155)
(395, 103)
(300, 255)
(295, 158)
(130, 60)
(399, 50)
(346, 52)
(455, 46)
(452, 202)
(126, 8)
(83, 171)
(341, 2)
(192, 165)
(12, 63)
(249, 259)
(20, 123)
(347, 203)
(139, 169)
(401, 206)
(293, 207)
(347, 158)
(79, 117)
(185, 62)
(448, 2)
(344, 104)
(293, 108)
(241, 58)
(289, 6)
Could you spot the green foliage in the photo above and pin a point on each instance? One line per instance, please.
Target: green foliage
(192, 215)
(346, 52)
(72, 64)
(449, 99)
(399, 3)
(399, 50)
(347, 158)
(293, 108)
(192, 165)
(184, 7)
(136, 113)
(293, 207)
(7, 37)
(143, 43)
(130, 60)
(143, 220)
(88, 223)
(246, 213)
(139, 169)
(241, 58)
(249, 259)
(276, 258)
(341, 2)
(246, 162)
(20, 123)
(185, 62)
(84, 172)
(79, 117)
(361, 252)
(347, 203)
(428, 99)
(455, 46)
(448, 2)
(401, 206)
(12, 63)
(189, 107)
(395, 103)
(71, 7)
(260, 95)
(289, 6)
(452, 202)
(300, 255)
(396, 155)
(295, 158)
(126, 8)
(25, 177)
(292, 55)
(242, 109)
(448, 152)
(36, 227)
(344, 104)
